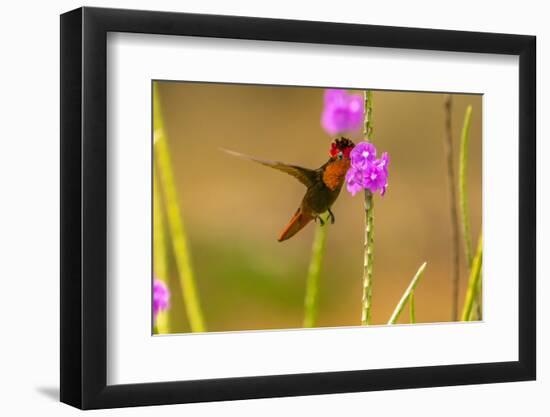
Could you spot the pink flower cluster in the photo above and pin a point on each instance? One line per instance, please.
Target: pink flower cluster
(161, 297)
(366, 171)
(342, 112)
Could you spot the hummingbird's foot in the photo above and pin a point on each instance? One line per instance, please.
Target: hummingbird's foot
(331, 215)
(320, 220)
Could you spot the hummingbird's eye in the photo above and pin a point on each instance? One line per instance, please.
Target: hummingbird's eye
(340, 155)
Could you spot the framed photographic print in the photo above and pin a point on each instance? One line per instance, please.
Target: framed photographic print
(258, 207)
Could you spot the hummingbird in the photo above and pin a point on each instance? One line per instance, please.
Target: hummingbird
(323, 185)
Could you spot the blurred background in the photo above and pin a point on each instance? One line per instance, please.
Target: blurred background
(234, 209)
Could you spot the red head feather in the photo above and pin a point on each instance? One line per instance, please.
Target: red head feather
(341, 145)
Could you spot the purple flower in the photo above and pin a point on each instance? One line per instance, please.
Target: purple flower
(354, 180)
(376, 175)
(367, 172)
(363, 154)
(161, 297)
(343, 112)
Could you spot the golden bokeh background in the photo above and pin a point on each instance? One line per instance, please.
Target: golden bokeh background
(234, 209)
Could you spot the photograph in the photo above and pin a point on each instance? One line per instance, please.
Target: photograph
(273, 206)
(289, 207)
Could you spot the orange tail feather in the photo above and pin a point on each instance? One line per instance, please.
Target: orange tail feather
(297, 223)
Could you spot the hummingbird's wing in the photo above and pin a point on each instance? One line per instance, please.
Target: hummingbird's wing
(306, 176)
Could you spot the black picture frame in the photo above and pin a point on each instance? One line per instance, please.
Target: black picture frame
(84, 207)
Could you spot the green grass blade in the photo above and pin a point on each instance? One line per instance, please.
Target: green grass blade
(412, 313)
(311, 302)
(160, 260)
(175, 221)
(477, 311)
(406, 295)
(473, 282)
(463, 185)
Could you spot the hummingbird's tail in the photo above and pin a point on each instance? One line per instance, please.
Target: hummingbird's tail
(297, 223)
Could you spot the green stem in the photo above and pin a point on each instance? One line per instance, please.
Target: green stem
(463, 189)
(368, 130)
(160, 261)
(368, 257)
(455, 233)
(406, 295)
(175, 221)
(463, 186)
(311, 302)
(479, 300)
(412, 313)
(473, 282)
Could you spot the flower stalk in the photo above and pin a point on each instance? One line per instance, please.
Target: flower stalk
(455, 238)
(368, 173)
(368, 257)
(175, 222)
(311, 302)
